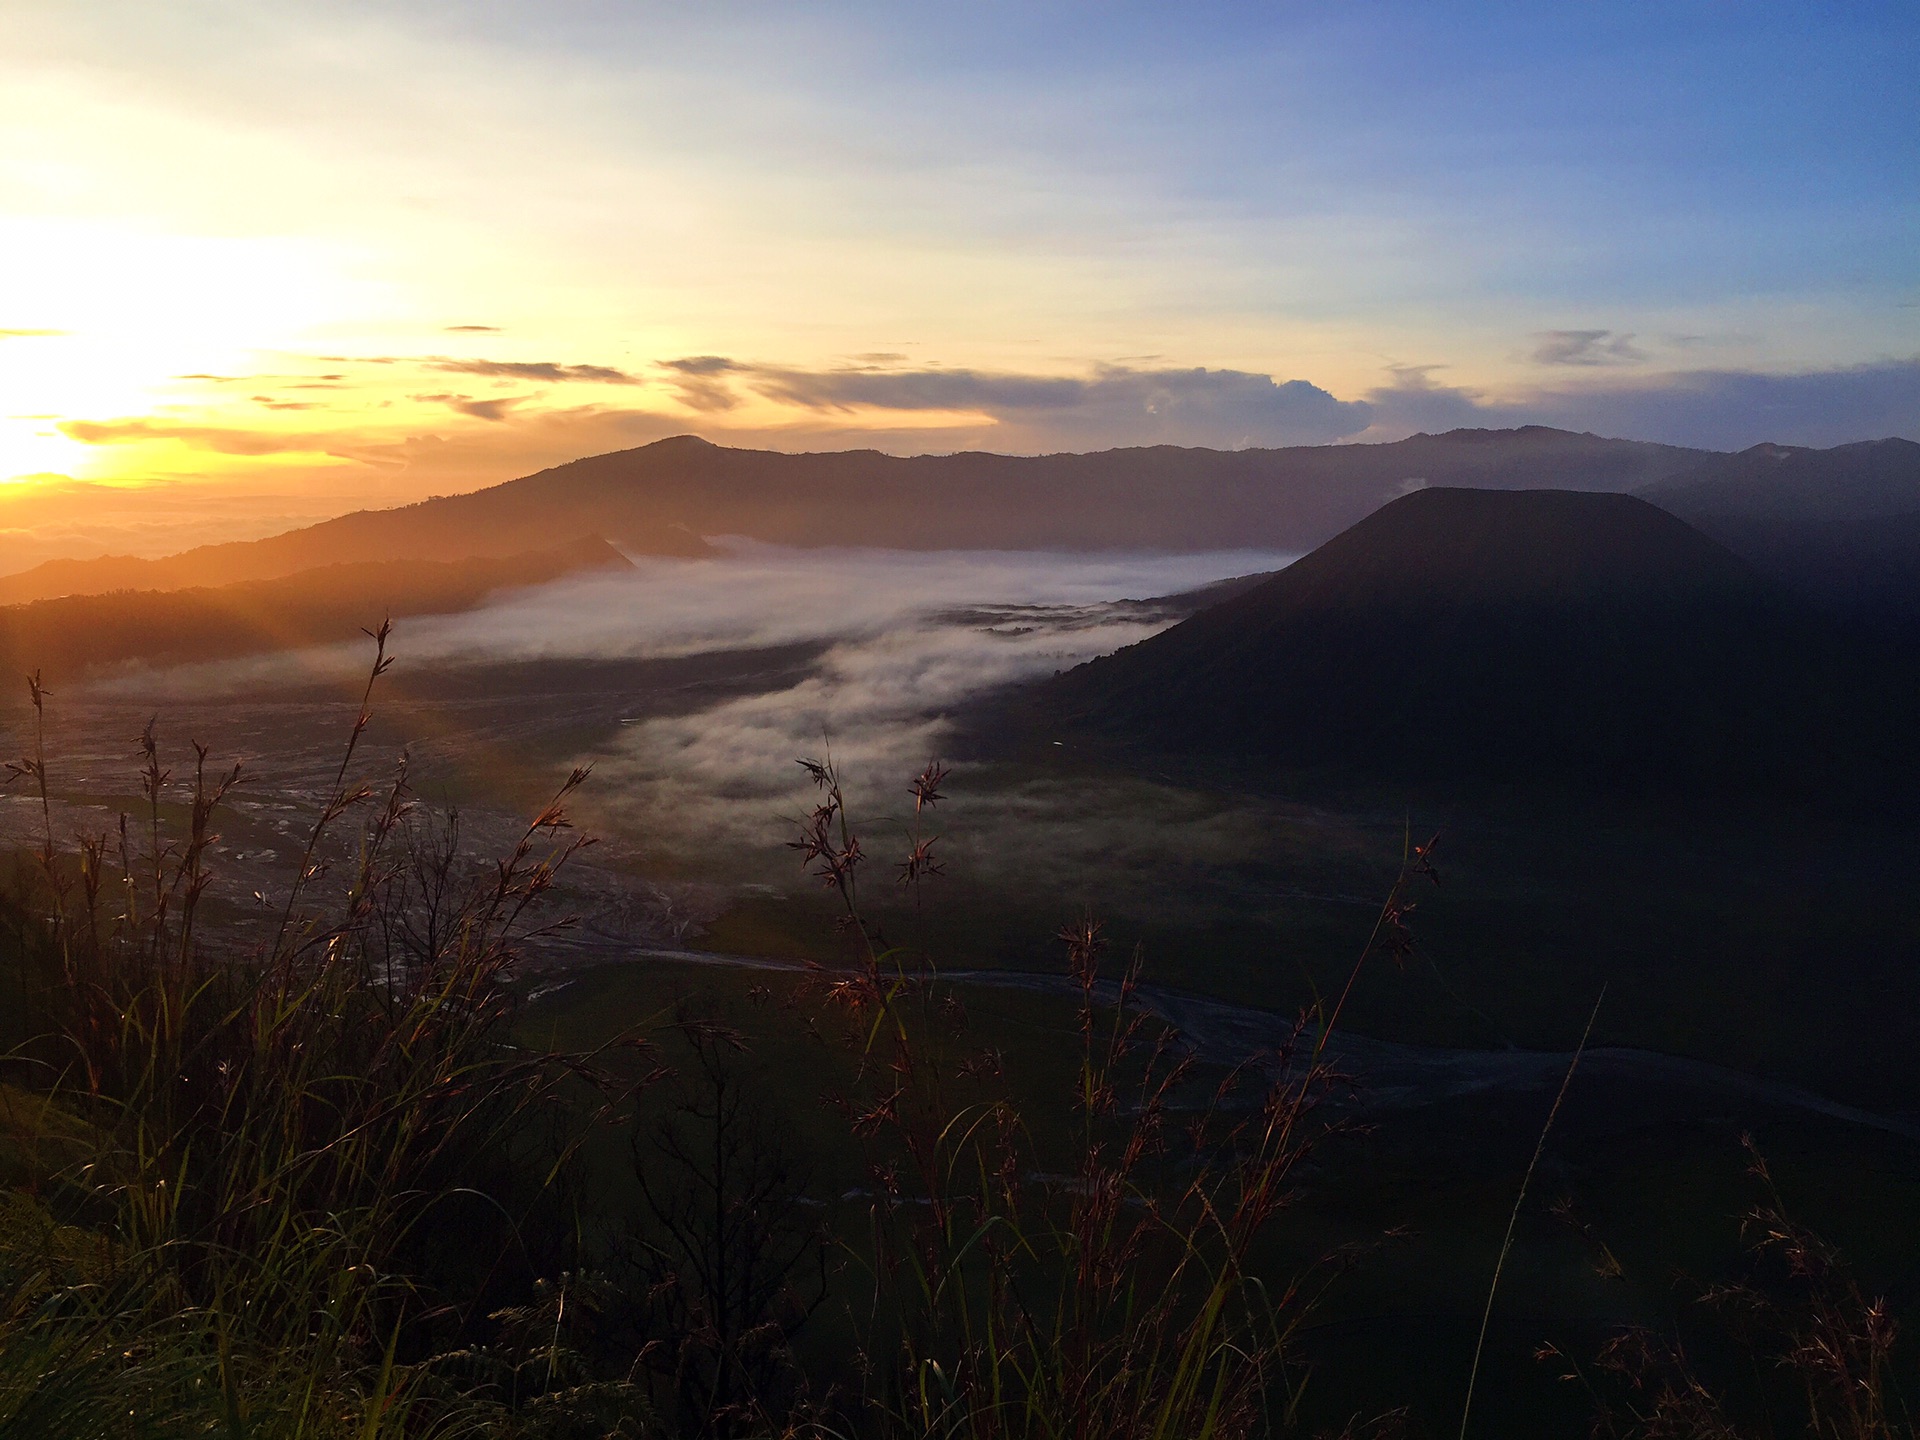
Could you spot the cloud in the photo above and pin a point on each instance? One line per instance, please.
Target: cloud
(549, 370)
(697, 382)
(908, 637)
(703, 365)
(473, 329)
(495, 409)
(290, 380)
(1115, 405)
(556, 372)
(886, 647)
(924, 409)
(1712, 409)
(29, 334)
(1413, 401)
(897, 641)
(1586, 347)
(459, 457)
(220, 439)
(847, 390)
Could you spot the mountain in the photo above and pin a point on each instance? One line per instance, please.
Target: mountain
(313, 607)
(662, 497)
(440, 531)
(1840, 526)
(1790, 484)
(1518, 638)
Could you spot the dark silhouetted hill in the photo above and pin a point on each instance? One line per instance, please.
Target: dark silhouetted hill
(1162, 497)
(75, 633)
(1515, 638)
(1840, 526)
(438, 531)
(662, 497)
(1790, 483)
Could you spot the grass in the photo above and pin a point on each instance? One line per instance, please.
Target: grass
(274, 1131)
(320, 1170)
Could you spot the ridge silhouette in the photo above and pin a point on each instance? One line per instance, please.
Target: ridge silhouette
(662, 498)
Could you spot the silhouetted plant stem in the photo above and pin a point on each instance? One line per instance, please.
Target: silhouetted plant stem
(1415, 860)
(1513, 1217)
(338, 800)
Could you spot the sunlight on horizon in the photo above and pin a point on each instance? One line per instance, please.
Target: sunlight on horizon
(373, 255)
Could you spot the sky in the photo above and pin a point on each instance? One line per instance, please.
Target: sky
(276, 261)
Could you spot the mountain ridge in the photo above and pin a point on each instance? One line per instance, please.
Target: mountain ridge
(664, 497)
(1839, 526)
(69, 634)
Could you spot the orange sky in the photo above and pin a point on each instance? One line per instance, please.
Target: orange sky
(301, 257)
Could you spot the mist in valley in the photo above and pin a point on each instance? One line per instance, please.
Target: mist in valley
(863, 655)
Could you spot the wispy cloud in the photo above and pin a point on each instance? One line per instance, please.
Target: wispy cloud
(29, 334)
(291, 379)
(699, 381)
(1586, 347)
(495, 409)
(864, 182)
(469, 439)
(553, 371)
(220, 439)
(704, 365)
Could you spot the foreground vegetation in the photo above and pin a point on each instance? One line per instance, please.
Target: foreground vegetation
(299, 1170)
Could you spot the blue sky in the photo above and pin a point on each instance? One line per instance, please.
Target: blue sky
(928, 227)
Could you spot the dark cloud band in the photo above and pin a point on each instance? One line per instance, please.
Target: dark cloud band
(1116, 405)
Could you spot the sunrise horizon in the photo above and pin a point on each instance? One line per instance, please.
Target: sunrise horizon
(370, 254)
(999, 721)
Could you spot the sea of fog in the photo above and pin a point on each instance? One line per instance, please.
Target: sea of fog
(909, 637)
(903, 637)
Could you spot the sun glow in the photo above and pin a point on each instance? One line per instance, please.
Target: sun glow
(378, 253)
(107, 320)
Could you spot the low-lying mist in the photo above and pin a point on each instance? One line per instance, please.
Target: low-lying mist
(755, 595)
(905, 637)
(911, 638)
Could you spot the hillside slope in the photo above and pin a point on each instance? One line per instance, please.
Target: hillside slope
(662, 497)
(1797, 485)
(435, 531)
(1841, 526)
(1517, 638)
(75, 633)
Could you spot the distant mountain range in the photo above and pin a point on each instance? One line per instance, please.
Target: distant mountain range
(1841, 526)
(1519, 639)
(1793, 485)
(663, 498)
(1837, 530)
